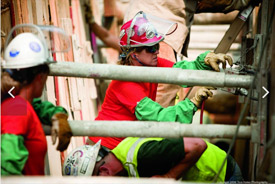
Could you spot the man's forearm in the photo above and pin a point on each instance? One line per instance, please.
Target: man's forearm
(104, 35)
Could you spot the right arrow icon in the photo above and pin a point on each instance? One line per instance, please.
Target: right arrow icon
(267, 92)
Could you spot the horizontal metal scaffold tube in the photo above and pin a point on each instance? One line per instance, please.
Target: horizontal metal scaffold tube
(156, 129)
(87, 179)
(150, 74)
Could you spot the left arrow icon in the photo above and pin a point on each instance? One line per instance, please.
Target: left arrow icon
(10, 92)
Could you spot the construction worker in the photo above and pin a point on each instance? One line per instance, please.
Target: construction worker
(102, 33)
(24, 74)
(182, 12)
(190, 159)
(139, 41)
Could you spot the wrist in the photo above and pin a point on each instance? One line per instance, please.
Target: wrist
(195, 102)
(59, 115)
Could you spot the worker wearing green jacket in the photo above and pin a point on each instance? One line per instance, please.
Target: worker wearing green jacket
(132, 101)
(24, 73)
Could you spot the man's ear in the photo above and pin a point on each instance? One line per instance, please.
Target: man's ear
(40, 77)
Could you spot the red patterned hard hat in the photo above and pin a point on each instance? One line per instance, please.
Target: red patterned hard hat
(139, 32)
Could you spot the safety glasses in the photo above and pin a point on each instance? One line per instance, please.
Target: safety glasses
(152, 49)
(102, 153)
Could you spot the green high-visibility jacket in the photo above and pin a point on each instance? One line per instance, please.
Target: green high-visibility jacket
(204, 170)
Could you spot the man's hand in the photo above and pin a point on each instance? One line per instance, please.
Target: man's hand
(202, 94)
(62, 130)
(214, 60)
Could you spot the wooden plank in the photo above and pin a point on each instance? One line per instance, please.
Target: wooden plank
(5, 25)
(82, 53)
(53, 12)
(90, 99)
(40, 12)
(74, 96)
(34, 11)
(54, 157)
(30, 7)
(73, 81)
(233, 31)
(50, 90)
(25, 11)
(57, 12)
(78, 23)
(17, 12)
(90, 83)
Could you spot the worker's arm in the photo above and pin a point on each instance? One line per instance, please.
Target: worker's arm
(57, 117)
(148, 110)
(197, 64)
(223, 6)
(45, 110)
(205, 61)
(194, 148)
(103, 34)
(14, 154)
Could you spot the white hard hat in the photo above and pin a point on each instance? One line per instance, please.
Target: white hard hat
(34, 46)
(81, 161)
(25, 50)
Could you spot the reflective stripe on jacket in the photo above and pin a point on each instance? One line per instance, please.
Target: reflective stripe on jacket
(127, 152)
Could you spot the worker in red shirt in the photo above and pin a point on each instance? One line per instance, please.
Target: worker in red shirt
(24, 73)
(139, 41)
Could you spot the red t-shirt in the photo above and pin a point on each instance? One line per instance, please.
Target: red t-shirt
(19, 118)
(120, 102)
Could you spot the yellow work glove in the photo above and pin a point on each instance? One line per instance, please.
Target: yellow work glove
(62, 130)
(202, 94)
(214, 60)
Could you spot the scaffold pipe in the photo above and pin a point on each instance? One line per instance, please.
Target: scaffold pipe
(156, 129)
(150, 74)
(86, 180)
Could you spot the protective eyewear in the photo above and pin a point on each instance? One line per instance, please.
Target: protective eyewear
(102, 153)
(152, 49)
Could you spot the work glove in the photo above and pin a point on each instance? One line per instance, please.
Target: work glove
(89, 13)
(202, 94)
(62, 130)
(214, 60)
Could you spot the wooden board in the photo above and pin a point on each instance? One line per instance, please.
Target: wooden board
(233, 31)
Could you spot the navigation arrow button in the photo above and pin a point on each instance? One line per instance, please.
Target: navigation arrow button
(267, 92)
(10, 92)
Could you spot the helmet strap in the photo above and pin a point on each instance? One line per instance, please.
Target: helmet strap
(9, 71)
(139, 60)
